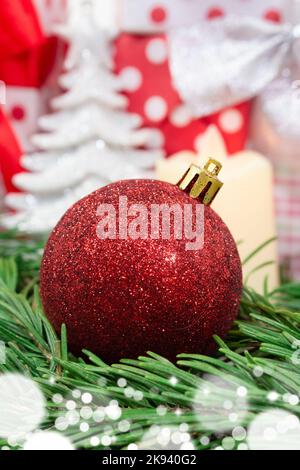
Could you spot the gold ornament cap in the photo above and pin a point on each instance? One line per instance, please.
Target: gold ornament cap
(202, 183)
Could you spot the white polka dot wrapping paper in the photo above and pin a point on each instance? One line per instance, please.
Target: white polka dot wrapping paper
(30, 86)
(142, 61)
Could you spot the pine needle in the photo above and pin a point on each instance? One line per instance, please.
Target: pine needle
(260, 355)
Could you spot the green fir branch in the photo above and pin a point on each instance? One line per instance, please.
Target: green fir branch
(152, 391)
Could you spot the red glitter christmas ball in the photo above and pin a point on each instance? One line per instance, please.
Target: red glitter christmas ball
(124, 297)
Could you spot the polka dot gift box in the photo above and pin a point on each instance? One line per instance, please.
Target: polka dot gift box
(142, 60)
(143, 64)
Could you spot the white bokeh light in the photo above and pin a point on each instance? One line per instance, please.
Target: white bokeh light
(22, 406)
(220, 404)
(165, 438)
(274, 429)
(48, 440)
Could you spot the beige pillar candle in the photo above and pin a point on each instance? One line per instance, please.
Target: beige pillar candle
(245, 202)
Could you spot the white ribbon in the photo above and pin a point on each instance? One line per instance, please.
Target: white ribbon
(223, 62)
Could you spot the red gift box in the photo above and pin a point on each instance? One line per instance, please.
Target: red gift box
(28, 57)
(153, 16)
(142, 61)
(10, 153)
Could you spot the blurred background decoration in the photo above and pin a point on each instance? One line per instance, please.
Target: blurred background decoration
(102, 71)
(89, 140)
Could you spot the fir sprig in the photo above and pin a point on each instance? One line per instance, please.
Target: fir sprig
(260, 355)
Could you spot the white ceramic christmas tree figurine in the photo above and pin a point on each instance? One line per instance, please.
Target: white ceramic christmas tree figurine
(89, 140)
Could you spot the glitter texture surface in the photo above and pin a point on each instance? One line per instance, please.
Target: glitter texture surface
(122, 298)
